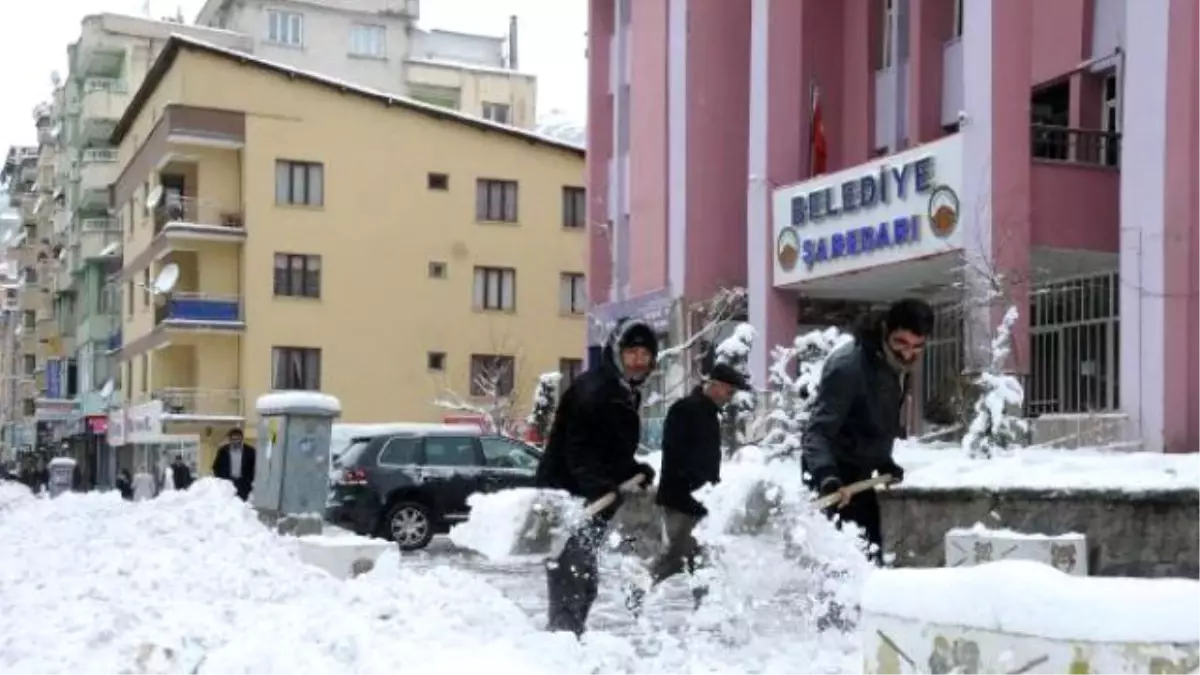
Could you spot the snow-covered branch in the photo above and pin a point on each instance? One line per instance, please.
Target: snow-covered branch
(738, 416)
(545, 400)
(996, 424)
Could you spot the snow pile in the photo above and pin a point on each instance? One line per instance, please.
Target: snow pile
(1030, 598)
(1047, 469)
(13, 494)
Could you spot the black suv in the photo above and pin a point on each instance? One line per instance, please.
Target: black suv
(408, 487)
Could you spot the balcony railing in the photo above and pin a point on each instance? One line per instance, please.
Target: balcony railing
(193, 211)
(200, 308)
(92, 155)
(191, 402)
(1078, 146)
(111, 84)
(99, 225)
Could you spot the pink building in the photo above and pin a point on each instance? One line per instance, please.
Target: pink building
(1028, 150)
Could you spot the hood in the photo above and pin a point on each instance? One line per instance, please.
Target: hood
(626, 332)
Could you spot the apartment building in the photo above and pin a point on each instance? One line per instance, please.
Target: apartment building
(310, 258)
(10, 318)
(377, 44)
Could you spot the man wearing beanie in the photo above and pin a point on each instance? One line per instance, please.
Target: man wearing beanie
(691, 459)
(590, 453)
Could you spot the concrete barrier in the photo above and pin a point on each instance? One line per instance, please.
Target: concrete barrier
(1019, 616)
(967, 546)
(342, 556)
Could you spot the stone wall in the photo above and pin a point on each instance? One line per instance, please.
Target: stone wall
(1147, 534)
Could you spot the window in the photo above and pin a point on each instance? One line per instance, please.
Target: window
(450, 451)
(30, 319)
(572, 293)
(400, 451)
(497, 112)
(958, 18)
(299, 183)
(889, 26)
(492, 375)
(285, 28)
(29, 407)
(574, 207)
(502, 453)
(297, 276)
(144, 367)
(442, 97)
(146, 284)
(129, 297)
(31, 275)
(496, 288)
(437, 270)
(496, 200)
(435, 361)
(368, 40)
(296, 368)
(438, 181)
(570, 369)
(30, 364)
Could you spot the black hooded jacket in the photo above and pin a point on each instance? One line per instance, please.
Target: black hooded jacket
(597, 427)
(855, 418)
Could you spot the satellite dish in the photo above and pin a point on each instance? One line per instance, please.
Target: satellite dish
(107, 389)
(154, 197)
(167, 278)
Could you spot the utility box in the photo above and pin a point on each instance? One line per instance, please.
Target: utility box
(291, 481)
(62, 475)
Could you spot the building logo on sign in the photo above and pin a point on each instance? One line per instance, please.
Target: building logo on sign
(900, 208)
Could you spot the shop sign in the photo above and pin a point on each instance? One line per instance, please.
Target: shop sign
(116, 428)
(144, 423)
(900, 208)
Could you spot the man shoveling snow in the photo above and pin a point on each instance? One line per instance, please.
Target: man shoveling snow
(591, 454)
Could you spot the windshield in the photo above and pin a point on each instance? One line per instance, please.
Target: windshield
(350, 455)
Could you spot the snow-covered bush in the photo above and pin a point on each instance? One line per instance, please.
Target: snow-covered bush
(736, 418)
(792, 396)
(545, 400)
(996, 425)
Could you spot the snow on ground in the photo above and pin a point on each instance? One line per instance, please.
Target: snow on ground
(927, 466)
(191, 582)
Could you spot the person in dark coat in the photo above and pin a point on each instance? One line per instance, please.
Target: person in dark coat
(125, 485)
(590, 453)
(691, 459)
(235, 462)
(855, 418)
(181, 474)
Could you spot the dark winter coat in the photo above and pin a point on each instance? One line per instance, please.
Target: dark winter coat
(221, 469)
(691, 452)
(855, 418)
(181, 476)
(594, 439)
(125, 486)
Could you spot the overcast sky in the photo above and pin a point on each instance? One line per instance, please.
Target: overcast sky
(34, 37)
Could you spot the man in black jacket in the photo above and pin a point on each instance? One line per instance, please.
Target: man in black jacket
(236, 462)
(855, 418)
(590, 453)
(691, 459)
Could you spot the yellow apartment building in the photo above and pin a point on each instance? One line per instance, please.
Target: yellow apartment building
(334, 238)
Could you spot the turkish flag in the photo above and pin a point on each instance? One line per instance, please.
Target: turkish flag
(818, 147)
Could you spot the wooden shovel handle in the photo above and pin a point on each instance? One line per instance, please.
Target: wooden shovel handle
(607, 500)
(854, 488)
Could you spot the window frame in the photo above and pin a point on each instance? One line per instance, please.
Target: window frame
(481, 287)
(285, 27)
(284, 277)
(503, 195)
(288, 190)
(489, 110)
(359, 32)
(570, 285)
(569, 374)
(309, 357)
(574, 207)
(418, 451)
(476, 450)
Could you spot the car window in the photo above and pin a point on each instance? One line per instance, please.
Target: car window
(502, 453)
(450, 451)
(400, 451)
(350, 456)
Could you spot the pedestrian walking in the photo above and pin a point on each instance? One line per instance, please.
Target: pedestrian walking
(591, 452)
(691, 459)
(125, 485)
(181, 474)
(143, 485)
(235, 462)
(855, 418)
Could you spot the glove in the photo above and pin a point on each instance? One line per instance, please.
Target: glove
(647, 471)
(829, 485)
(894, 470)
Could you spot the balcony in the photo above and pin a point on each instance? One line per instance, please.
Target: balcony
(1089, 147)
(198, 218)
(114, 342)
(99, 327)
(186, 403)
(200, 310)
(98, 168)
(104, 100)
(99, 238)
(98, 60)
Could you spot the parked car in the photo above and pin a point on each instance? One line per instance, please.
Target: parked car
(408, 486)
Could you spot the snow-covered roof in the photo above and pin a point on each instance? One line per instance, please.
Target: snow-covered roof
(472, 67)
(298, 402)
(176, 42)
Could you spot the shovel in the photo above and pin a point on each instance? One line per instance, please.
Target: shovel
(558, 537)
(761, 504)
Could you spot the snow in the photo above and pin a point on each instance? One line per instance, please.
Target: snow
(192, 582)
(282, 401)
(1031, 598)
(983, 530)
(343, 433)
(995, 425)
(499, 520)
(930, 467)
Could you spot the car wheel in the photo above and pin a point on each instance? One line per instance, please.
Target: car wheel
(409, 525)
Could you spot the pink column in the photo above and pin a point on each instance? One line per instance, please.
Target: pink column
(930, 26)
(1181, 393)
(857, 124)
(600, 150)
(648, 193)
